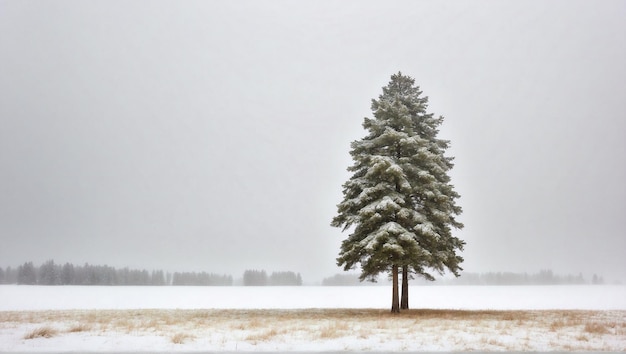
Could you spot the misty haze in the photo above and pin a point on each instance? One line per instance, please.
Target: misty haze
(202, 150)
(215, 137)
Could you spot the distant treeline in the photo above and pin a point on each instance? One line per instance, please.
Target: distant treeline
(544, 277)
(343, 280)
(50, 273)
(260, 278)
(202, 279)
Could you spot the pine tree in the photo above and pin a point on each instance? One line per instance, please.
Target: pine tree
(49, 274)
(399, 203)
(26, 274)
(68, 274)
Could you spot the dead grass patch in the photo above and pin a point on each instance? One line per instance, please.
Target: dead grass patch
(262, 336)
(557, 325)
(494, 342)
(253, 323)
(582, 338)
(596, 328)
(79, 327)
(181, 338)
(523, 330)
(333, 330)
(41, 332)
(127, 325)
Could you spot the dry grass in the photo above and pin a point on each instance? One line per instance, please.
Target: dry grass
(414, 329)
(595, 328)
(41, 332)
(262, 336)
(334, 330)
(181, 338)
(79, 327)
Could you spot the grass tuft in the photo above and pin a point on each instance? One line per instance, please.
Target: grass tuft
(41, 332)
(556, 325)
(79, 327)
(262, 336)
(180, 338)
(596, 328)
(333, 330)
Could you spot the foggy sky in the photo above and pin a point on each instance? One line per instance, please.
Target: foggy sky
(214, 135)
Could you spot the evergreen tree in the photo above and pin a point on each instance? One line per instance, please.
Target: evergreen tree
(49, 274)
(157, 278)
(341, 280)
(285, 279)
(255, 278)
(26, 274)
(67, 274)
(10, 276)
(399, 203)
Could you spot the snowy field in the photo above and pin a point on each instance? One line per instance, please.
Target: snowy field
(21, 298)
(184, 319)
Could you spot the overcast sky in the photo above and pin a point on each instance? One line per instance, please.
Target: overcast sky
(214, 135)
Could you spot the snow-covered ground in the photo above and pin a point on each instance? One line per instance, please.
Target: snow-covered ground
(20, 298)
(276, 318)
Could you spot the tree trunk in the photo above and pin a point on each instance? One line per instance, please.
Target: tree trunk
(404, 303)
(395, 303)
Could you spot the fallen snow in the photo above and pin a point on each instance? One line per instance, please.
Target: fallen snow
(187, 319)
(21, 298)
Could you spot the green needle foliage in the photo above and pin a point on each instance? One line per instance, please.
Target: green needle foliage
(399, 203)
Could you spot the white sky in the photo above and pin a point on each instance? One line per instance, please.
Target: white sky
(214, 135)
